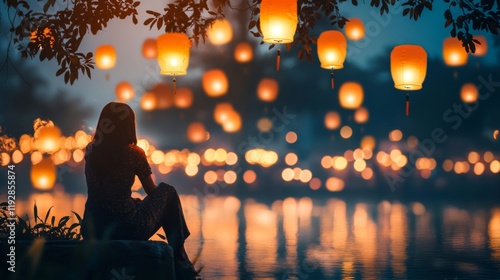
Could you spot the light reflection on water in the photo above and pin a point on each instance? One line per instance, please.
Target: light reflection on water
(329, 238)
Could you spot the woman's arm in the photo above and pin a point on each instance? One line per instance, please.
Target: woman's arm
(148, 184)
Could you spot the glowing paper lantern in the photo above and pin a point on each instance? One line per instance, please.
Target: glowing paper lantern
(222, 112)
(278, 22)
(332, 49)
(408, 69)
(469, 93)
(148, 101)
(149, 48)
(454, 53)
(220, 32)
(243, 52)
(482, 48)
(332, 120)
(354, 29)
(124, 91)
(351, 95)
(267, 90)
(43, 174)
(196, 132)
(233, 122)
(105, 57)
(173, 54)
(215, 83)
(361, 115)
(48, 139)
(183, 98)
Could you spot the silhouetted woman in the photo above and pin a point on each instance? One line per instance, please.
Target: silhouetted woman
(112, 161)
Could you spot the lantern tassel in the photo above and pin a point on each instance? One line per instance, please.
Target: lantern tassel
(407, 103)
(278, 60)
(175, 87)
(332, 81)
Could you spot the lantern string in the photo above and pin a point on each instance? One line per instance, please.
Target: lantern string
(332, 81)
(278, 60)
(175, 87)
(407, 103)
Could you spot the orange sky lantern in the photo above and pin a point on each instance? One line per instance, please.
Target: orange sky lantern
(220, 32)
(408, 69)
(148, 101)
(173, 54)
(105, 57)
(332, 49)
(215, 83)
(43, 174)
(183, 98)
(482, 48)
(196, 132)
(222, 112)
(48, 139)
(351, 95)
(267, 90)
(454, 53)
(332, 120)
(149, 48)
(354, 29)
(243, 52)
(469, 93)
(361, 115)
(232, 123)
(124, 91)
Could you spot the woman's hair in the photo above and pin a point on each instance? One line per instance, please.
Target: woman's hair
(115, 130)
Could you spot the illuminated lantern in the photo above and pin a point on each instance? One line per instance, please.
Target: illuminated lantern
(48, 139)
(215, 83)
(469, 93)
(351, 95)
(354, 29)
(163, 96)
(243, 52)
(173, 54)
(482, 47)
(105, 57)
(124, 91)
(267, 90)
(232, 123)
(332, 49)
(196, 132)
(278, 22)
(454, 53)
(408, 69)
(220, 33)
(183, 98)
(148, 101)
(361, 115)
(149, 48)
(332, 120)
(222, 112)
(43, 174)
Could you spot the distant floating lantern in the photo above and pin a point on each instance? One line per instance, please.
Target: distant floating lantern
(215, 83)
(361, 115)
(124, 91)
(332, 120)
(267, 90)
(408, 69)
(454, 53)
(48, 139)
(164, 98)
(469, 93)
(149, 48)
(332, 49)
(482, 47)
(354, 29)
(351, 95)
(243, 52)
(173, 54)
(196, 132)
(148, 101)
(220, 32)
(222, 112)
(232, 123)
(278, 22)
(105, 57)
(43, 174)
(183, 98)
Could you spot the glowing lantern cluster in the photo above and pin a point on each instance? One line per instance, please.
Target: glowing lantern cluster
(354, 29)
(225, 115)
(332, 120)
(332, 49)
(408, 69)
(454, 53)
(469, 93)
(149, 48)
(220, 32)
(196, 132)
(215, 83)
(105, 57)
(183, 98)
(43, 174)
(124, 91)
(48, 139)
(243, 52)
(351, 95)
(267, 90)
(482, 47)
